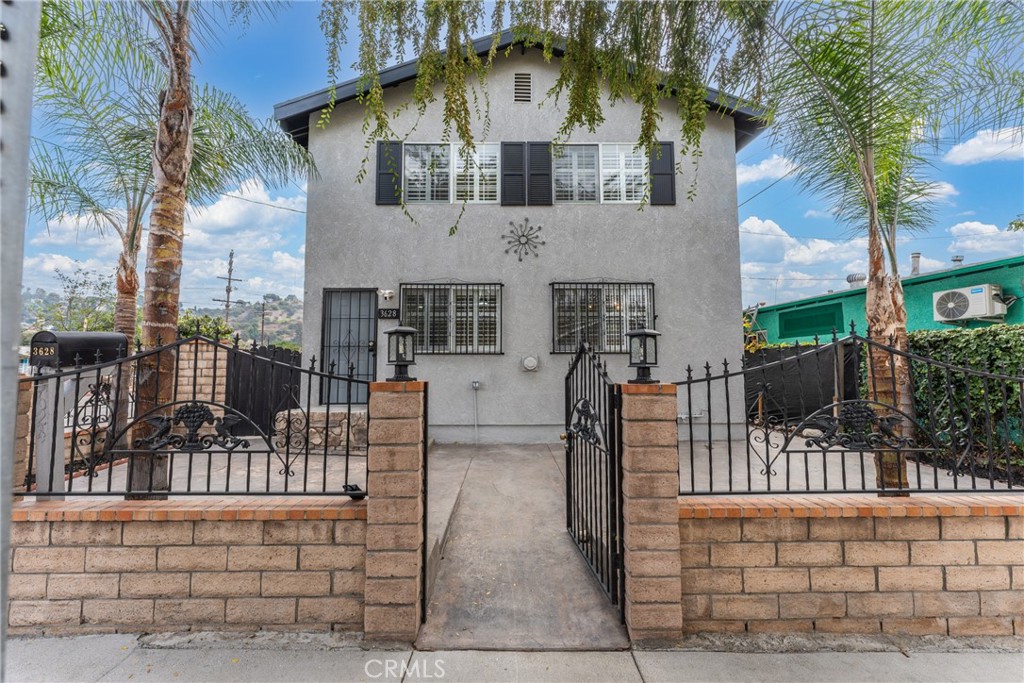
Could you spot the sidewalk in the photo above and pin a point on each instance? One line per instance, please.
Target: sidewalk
(301, 657)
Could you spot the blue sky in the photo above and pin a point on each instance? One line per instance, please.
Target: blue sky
(791, 246)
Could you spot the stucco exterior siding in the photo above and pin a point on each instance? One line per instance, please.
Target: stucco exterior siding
(690, 252)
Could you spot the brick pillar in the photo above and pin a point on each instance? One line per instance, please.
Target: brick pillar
(394, 512)
(22, 435)
(650, 492)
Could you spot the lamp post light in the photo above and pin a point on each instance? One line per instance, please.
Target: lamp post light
(401, 353)
(643, 354)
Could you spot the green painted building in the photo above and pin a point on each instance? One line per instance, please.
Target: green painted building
(802, 319)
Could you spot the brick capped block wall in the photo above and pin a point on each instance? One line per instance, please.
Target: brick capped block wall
(84, 566)
(950, 565)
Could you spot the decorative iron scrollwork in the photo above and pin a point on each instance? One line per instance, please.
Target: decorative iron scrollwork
(192, 416)
(587, 425)
(857, 426)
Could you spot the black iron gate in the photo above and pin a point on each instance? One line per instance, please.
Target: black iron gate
(593, 471)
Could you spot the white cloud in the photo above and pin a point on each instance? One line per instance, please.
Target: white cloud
(70, 232)
(40, 269)
(985, 238)
(815, 213)
(764, 240)
(965, 214)
(1005, 144)
(941, 191)
(772, 168)
(249, 205)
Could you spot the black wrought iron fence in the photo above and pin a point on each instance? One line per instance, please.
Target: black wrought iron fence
(797, 422)
(118, 429)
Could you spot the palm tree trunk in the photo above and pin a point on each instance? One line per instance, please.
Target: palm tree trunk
(125, 319)
(172, 159)
(127, 278)
(883, 318)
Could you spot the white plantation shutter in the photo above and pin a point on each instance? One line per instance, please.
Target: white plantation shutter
(427, 170)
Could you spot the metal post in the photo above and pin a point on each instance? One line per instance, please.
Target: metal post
(20, 20)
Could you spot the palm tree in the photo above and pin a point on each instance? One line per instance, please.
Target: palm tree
(861, 92)
(161, 33)
(98, 169)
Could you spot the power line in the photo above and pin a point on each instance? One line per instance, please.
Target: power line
(795, 279)
(770, 186)
(256, 201)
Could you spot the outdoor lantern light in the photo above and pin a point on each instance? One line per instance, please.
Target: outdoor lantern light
(400, 352)
(643, 354)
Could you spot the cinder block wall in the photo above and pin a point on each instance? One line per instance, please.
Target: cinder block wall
(159, 566)
(924, 565)
(237, 564)
(207, 365)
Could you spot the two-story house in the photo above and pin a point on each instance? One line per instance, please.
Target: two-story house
(551, 250)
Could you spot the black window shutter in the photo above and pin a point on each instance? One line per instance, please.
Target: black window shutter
(538, 180)
(513, 174)
(389, 173)
(663, 176)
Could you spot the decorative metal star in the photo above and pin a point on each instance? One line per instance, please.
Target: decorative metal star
(523, 239)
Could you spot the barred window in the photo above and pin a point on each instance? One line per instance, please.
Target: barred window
(453, 318)
(623, 173)
(427, 170)
(599, 314)
(477, 180)
(576, 173)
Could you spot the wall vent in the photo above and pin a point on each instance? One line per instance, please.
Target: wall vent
(523, 88)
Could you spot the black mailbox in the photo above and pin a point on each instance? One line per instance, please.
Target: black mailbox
(67, 349)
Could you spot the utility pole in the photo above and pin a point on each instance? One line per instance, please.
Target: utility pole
(228, 289)
(263, 319)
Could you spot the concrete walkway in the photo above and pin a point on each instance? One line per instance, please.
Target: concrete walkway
(511, 578)
(300, 657)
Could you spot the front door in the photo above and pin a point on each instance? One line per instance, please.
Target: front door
(349, 341)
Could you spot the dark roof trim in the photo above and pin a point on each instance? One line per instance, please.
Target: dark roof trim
(293, 115)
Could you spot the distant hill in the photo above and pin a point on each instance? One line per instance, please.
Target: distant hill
(283, 321)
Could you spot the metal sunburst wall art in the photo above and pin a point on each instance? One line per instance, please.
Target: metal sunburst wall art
(523, 240)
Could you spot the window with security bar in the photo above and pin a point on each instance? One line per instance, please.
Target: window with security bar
(599, 313)
(453, 318)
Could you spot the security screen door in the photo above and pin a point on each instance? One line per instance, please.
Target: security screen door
(349, 338)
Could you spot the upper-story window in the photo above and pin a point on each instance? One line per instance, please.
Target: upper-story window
(476, 180)
(607, 172)
(427, 173)
(576, 173)
(623, 173)
(431, 170)
(524, 173)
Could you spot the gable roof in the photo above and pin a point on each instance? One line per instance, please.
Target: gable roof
(293, 115)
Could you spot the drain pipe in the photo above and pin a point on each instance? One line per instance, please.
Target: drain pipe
(476, 411)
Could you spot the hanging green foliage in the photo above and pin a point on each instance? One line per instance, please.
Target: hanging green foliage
(641, 51)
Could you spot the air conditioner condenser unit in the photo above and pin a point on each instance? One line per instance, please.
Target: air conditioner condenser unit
(968, 303)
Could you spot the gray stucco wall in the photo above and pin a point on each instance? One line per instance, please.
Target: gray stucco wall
(690, 251)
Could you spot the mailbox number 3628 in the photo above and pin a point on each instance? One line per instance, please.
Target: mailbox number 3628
(43, 351)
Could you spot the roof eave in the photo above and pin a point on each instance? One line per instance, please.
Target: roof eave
(293, 115)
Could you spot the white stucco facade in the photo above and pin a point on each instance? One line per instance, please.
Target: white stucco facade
(690, 251)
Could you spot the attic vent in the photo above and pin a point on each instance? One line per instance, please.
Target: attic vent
(523, 88)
